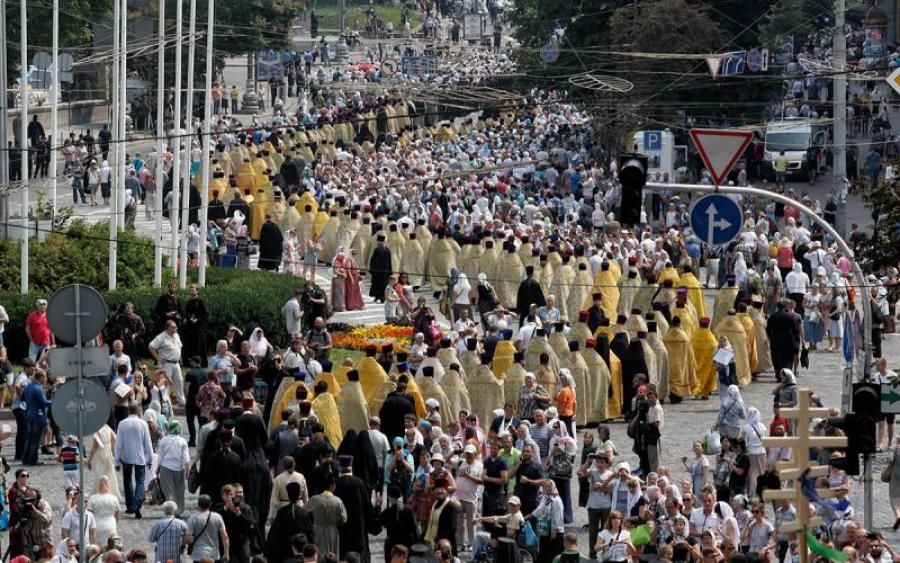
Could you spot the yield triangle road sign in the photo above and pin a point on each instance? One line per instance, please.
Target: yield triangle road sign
(720, 149)
(714, 64)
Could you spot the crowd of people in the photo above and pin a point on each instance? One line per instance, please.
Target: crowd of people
(466, 439)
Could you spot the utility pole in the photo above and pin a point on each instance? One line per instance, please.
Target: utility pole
(54, 110)
(160, 144)
(23, 130)
(176, 126)
(119, 192)
(113, 154)
(189, 128)
(840, 116)
(4, 135)
(206, 142)
(343, 15)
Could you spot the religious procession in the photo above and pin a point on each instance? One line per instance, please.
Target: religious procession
(545, 381)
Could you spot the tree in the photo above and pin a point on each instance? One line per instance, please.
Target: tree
(881, 250)
(785, 19)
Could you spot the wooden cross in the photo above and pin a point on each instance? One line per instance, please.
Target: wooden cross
(790, 471)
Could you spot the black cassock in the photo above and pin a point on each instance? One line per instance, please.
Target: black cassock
(222, 468)
(400, 528)
(166, 304)
(289, 520)
(243, 537)
(595, 317)
(255, 467)
(380, 268)
(361, 520)
(194, 331)
(529, 292)
(392, 414)
(270, 246)
(633, 363)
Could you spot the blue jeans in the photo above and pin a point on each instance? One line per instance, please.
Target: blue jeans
(780, 177)
(33, 430)
(35, 350)
(134, 494)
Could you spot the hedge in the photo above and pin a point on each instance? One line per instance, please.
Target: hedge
(247, 298)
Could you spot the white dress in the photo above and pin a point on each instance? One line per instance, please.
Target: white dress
(104, 507)
(104, 461)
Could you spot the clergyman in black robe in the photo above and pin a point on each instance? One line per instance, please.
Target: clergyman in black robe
(399, 523)
(355, 495)
(530, 293)
(380, 268)
(168, 308)
(271, 243)
(240, 523)
(289, 520)
(394, 410)
(193, 333)
(633, 363)
(222, 468)
(255, 467)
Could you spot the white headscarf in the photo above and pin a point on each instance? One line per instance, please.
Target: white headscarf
(259, 346)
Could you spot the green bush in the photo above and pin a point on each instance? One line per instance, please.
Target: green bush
(247, 298)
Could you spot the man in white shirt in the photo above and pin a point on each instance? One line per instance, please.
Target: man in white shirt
(293, 313)
(299, 360)
(467, 482)
(655, 420)
(704, 517)
(166, 350)
(134, 453)
(381, 446)
(119, 357)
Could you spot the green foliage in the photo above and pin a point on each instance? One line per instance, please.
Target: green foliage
(329, 14)
(248, 298)
(881, 251)
(79, 254)
(74, 27)
(784, 20)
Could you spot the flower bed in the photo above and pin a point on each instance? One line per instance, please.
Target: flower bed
(360, 337)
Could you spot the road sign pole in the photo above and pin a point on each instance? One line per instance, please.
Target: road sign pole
(79, 370)
(838, 239)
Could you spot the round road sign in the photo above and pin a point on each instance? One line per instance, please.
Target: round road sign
(62, 314)
(550, 52)
(95, 407)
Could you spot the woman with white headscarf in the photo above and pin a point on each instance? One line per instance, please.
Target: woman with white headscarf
(753, 432)
(732, 415)
(740, 269)
(487, 297)
(560, 462)
(550, 522)
(259, 345)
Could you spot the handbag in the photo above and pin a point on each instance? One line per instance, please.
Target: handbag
(804, 358)
(154, 494)
(193, 481)
(529, 537)
(561, 466)
(887, 471)
(712, 442)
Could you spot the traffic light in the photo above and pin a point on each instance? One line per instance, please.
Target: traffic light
(850, 462)
(866, 409)
(632, 176)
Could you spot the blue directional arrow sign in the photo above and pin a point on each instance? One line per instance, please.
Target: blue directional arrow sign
(716, 219)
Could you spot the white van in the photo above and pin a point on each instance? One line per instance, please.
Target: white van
(795, 137)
